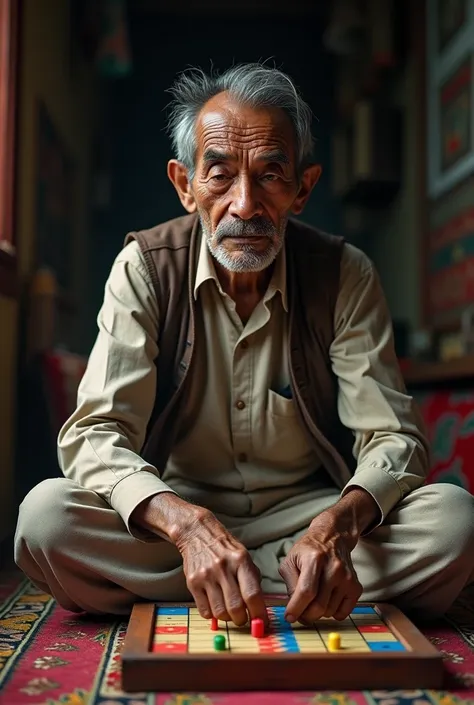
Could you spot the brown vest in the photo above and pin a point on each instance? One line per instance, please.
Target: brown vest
(313, 269)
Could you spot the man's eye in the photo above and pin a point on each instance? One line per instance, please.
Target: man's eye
(219, 177)
(269, 177)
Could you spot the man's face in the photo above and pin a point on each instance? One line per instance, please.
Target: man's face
(245, 182)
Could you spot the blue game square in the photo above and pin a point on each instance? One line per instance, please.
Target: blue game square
(363, 610)
(167, 611)
(386, 646)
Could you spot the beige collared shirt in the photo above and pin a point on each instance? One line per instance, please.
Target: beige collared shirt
(244, 454)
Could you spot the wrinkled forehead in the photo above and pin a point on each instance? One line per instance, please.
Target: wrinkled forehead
(226, 125)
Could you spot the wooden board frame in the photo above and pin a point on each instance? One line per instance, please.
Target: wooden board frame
(421, 666)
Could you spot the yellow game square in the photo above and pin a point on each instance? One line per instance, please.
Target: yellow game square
(177, 620)
(309, 640)
(170, 638)
(242, 636)
(348, 641)
(243, 646)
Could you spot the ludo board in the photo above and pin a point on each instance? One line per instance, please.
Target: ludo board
(171, 647)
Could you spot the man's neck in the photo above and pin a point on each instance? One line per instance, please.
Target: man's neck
(246, 289)
(237, 284)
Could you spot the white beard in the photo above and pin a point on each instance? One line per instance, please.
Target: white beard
(246, 258)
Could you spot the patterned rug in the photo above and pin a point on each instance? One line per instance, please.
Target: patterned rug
(51, 657)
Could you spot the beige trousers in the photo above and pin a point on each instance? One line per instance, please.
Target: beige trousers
(73, 545)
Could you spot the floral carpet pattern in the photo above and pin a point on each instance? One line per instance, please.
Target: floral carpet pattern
(49, 656)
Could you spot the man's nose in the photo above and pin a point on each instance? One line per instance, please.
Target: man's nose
(245, 203)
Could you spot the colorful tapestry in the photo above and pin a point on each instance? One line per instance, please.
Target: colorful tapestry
(450, 250)
(49, 656)
(449, 418)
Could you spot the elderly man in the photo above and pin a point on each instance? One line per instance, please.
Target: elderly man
(242, 427)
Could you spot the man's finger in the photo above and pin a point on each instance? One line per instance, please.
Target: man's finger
(234, 602)
(290, 574)
(348, 589)
(345, 608)
(334, 585)
(335, 600)
(318, 607)
(305, 591)
(252, 594)
(217, 602)
(202, 604)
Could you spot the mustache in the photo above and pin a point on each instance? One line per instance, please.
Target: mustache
(257, 227)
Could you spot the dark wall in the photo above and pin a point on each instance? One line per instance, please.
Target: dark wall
(163, 46)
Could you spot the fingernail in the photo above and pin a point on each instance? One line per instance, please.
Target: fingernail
(290, 618)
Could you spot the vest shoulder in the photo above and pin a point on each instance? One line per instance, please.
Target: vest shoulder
(173, 234)
(310, 239)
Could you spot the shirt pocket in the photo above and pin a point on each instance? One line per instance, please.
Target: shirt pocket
(280, 406)
(283, 441)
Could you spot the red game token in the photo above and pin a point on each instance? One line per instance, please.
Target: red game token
(257, 628)
(214, 624)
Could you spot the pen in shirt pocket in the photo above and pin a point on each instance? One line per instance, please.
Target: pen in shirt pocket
(286, 392)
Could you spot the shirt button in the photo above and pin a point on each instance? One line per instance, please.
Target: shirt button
(244, 344)
(240, 404)
(242, 457)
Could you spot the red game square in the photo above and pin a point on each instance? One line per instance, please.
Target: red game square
(372, 628)
(171, 630)
(175, 648)
(269, 645)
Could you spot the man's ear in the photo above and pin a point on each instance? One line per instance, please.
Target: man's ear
(309, 180)
(178, 175)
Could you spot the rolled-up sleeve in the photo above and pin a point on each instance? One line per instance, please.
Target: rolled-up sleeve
(389, 442)
(99, 446)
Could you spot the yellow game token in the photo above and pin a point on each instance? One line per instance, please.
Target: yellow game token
(334, 641)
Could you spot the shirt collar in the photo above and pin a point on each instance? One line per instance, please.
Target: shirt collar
(205, 270)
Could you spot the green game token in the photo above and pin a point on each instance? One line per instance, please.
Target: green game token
(219, 643)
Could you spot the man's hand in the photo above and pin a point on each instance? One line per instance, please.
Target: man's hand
(220, 574)
(319, 574)
(318, 570)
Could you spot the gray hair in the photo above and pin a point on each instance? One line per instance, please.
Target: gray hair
(255, 85)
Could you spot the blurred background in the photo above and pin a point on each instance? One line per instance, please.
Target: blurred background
(83, 153)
